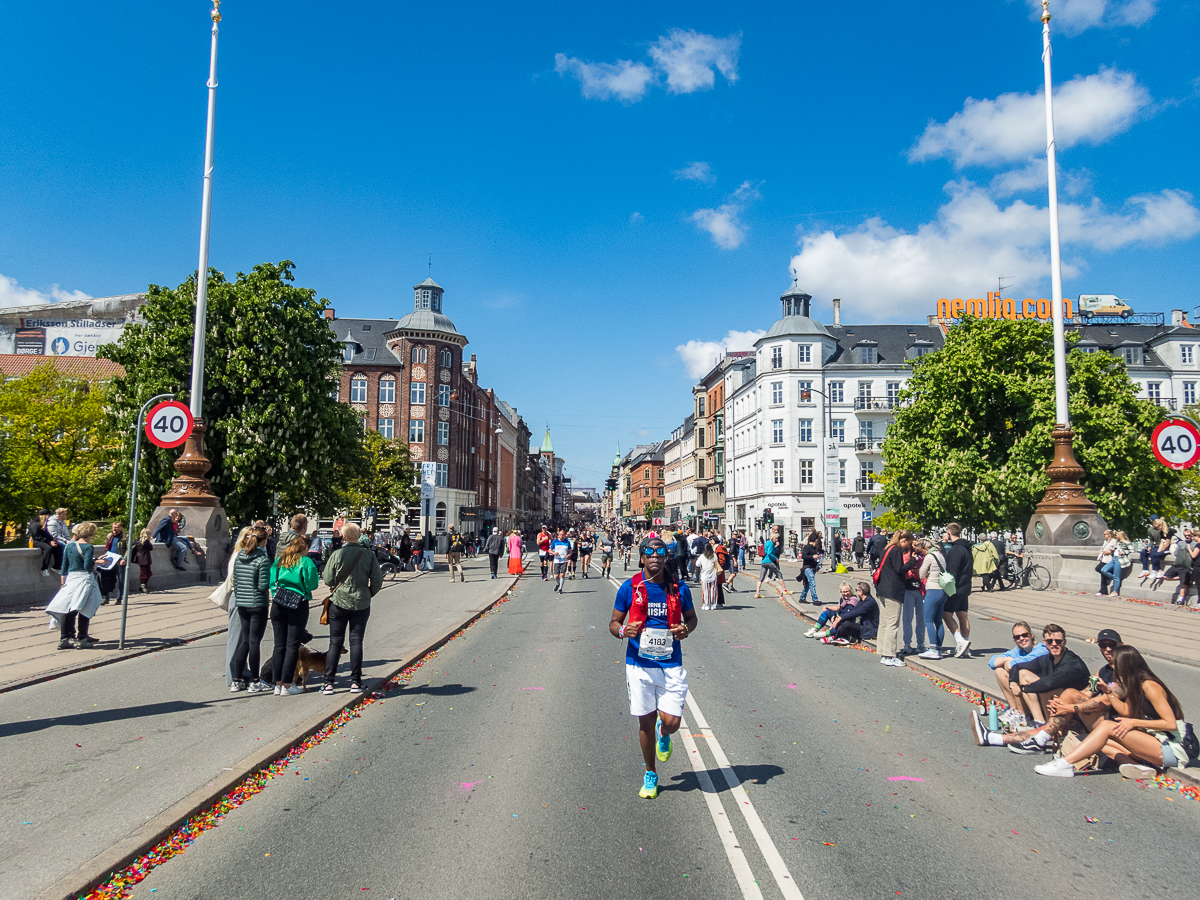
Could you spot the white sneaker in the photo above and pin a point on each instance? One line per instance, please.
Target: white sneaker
(886, 660)
(258, 687)
(237, 686)
(930, 654)
(964, 649)
(278, 690)
(1134, 770)
(1057, 768)
(811, 632)
(294, 689)
(898, 663)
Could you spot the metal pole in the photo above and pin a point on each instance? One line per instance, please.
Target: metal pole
(137, 454)
(197, 398)
(1062, 411)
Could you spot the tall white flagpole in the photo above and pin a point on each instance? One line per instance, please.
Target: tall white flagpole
(197, 398)
(1062, 411)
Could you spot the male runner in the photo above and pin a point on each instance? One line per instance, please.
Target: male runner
(543, 545)
(560, 549)
(586, 542)
(660, 614)
(606, 554)
(573, 540)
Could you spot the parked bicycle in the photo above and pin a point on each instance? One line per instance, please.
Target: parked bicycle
(1018, 573)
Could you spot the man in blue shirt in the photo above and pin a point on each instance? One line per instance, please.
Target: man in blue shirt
(1025, 650)
(560, 553)
(661, 614)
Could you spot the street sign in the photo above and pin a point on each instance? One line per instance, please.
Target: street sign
(659, 522)
(429, 473)
(426, 490)
(1176, 443)
(833, 517)
(169, 424)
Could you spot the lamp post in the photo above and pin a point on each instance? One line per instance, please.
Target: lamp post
(1061, 410)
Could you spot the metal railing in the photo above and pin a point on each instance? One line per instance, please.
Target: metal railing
(881, 404)
(866, 486)
(867, 444)
(1164, 402)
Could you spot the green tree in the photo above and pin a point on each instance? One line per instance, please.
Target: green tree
(55, 446)
(384, 477)
(972, 437)
(271, 370)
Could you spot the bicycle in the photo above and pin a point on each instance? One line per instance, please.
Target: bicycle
(1018, 574)
(626, 554)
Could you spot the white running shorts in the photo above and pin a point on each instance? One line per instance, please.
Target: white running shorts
(656, 689)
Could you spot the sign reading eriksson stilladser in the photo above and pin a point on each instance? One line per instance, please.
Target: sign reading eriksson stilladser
(995, 308)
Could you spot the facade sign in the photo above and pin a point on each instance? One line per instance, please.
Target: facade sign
(995, 308)
(29, 336)
(833, 475)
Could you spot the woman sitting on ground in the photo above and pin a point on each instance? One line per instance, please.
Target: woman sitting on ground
(1146, 728)
(858, 623)
(824, 628)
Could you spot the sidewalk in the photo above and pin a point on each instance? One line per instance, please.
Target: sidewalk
(102, 761)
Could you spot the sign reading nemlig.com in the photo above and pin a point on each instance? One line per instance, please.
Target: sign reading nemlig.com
(70, 328)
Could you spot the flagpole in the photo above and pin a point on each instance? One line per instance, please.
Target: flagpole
(197, 397)
(1061, 409)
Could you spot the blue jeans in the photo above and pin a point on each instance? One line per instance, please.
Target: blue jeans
(825, 616)
(1113, 571)
(935, 625)
(810, 581)
(913, 615)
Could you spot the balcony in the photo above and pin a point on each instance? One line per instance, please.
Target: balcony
(1164, 402)
(875, 404)
(866, 486)
(868, 445)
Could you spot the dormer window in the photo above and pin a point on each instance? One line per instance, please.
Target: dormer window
(868, 354)
(1131, 355)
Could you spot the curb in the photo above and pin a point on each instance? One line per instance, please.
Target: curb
(1183, 775)
(92, 873)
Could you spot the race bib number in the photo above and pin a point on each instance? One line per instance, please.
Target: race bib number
(655, 643)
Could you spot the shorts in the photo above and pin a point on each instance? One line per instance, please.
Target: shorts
(769, 570)
(453, 559)
(606, 556)
(560, 568)
(656, 689)
(957, 603)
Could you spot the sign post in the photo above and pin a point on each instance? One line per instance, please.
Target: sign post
(428, 483)
(833, 492)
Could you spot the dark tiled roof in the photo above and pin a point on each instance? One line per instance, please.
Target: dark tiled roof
(892, 342)
(368, 338)
(14, 365)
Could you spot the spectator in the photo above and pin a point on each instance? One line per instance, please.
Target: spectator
(233, 635)
(143, 558)
(79, 597)
(810, 558)
(1121, 567)
(1148, 727)
(898, 565)
(837, 550)
(60, 535)
(1157, 545)
(706, 562)
(1093, 704)
(724, 564)
(847, 599)
(297, 527)
(293, 578)
(985, 561)
(1024, 651)
(913, 614)
(404, 551)
(493, 548)
(355, 578)
(876, 547)
(111, 573)
(516, 553)
(859, 548)
(857, 623)
(168, 533)
(251, 583)
(40, 539)
(933, 567)
(1040, 680)
(770, 560)
(958, 558)
(454, 553)
(1186, 551)
(1109, 565)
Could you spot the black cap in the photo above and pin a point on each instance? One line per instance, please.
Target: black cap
(1107, 634)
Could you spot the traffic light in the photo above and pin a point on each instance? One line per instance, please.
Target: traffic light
(768, 518)
(610, 484)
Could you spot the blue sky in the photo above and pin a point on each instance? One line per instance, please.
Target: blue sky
(601, 187)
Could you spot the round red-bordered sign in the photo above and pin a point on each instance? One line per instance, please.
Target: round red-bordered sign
(1176, 443)
(169, 424)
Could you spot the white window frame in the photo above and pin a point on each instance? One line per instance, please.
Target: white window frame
(777, 431)
(443, 433)
(805, 432)
(776, 393)
(837, 391)
(804, 352)
(416, 393)
(416, 431)
(776, 357)
(387, 428)
(777, 471)
(387, 390)
(837, 430)
(358, 389)
(806, 472)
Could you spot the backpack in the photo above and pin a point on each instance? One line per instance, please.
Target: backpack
(456, 543)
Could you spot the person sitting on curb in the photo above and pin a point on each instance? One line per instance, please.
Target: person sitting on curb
(1186, 552)
(1002, 663)
(1148, 728)
(823, 626)
(859, 622)
(1040, 680)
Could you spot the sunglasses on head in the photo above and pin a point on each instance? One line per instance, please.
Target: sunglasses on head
(655, 551)
(1056, 641)
(1022, 636)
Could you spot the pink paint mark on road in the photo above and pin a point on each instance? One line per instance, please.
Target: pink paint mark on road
(467, 785)
(533, 689)
(792, 686)
(904, 778)
(742, 647)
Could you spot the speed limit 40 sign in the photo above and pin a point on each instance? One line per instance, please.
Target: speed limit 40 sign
(169, 424)
(1176, 443)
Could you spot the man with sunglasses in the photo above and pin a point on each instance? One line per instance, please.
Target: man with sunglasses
(1039, 681)
(1025, 650)
(660, 615)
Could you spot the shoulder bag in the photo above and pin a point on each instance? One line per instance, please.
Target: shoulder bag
(945, 579)
(333, 588)
(879, 568)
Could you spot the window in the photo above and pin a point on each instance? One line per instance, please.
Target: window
(700, 467)
(1086, 349)
(443, 433)
(867, 471)
(700, 405)
(804, 391)
(777, 431)
(347, 352)
(864, 389)
(837, 430)
(443, 395)
(1131, 355)
(893, 392)
(718, 464)
(366, 327)
(866, 429)
(416, 392)
(660, 473)
(416, 431)
(837, 392)
(700, 437)
(370, 353)
(387, 390)
(841, 471)
(1185, 354)
(776, 391)
(920, 351)
(387, 428)
(1189, 393)
(777, 471)
(805, 353)
(440, 515)
(806, 471)
(776, 357)
(445, 358)
(806, 431)
(418, 354)
(645, 492)
(660, 492)
(868, 356)
(442, 475)
(647, 475)
(358, 389)
(1154, 389)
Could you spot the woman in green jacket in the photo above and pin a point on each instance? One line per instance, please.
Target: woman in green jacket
(251, 597)
(293, 578)
(354, 573)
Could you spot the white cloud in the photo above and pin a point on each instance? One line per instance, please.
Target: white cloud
(635, 217)
(725, 222)
(12, 294)
(1032, 177)
(1074, 16)
(696, 171)
(972, 241)
(625, 80)
(700, 356)
(1013, 126)
(688, 60)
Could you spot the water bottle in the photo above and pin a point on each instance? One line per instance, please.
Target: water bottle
(993, 717)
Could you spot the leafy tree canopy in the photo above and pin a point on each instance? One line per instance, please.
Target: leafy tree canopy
(385, 477)
(972, 437)
(271, 369)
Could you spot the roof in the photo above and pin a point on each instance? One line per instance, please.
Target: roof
(892, 342)
(794, 325)
(1111, 337)
(15, 365)
(547, 447)
(426, 320)
(428, 282)
(368, 334)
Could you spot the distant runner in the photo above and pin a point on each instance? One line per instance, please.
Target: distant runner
(607, 546)
(586, 543)
(560, 549)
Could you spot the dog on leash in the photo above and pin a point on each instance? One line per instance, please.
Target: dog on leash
(307, 661)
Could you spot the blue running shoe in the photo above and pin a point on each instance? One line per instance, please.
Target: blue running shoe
(649, 786)
(664, 748)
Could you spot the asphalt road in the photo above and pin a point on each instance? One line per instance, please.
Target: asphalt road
(509, 768)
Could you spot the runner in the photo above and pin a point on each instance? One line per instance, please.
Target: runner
(660, 615)
(573, 540)
(560, 549)
(543, 545)
(586, 542)
(454, 554)
(606, 554)
(627, 546)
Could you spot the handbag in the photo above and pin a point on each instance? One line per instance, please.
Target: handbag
(879, 568)
(945, 580)
(287, 598)
(333, 589)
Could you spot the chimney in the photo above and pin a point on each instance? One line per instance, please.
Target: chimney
(329, 313)
(837, 312)
(931, 320)
(1178, 317)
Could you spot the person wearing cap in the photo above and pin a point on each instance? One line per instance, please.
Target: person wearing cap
(493, 548)
(1026, 649)
(1094, 703)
